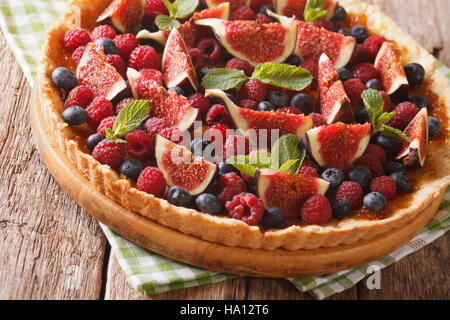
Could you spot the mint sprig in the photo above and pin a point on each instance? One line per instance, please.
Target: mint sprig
(179, 9)
(279, 75)
(374, 103)
(314, 10)
(128, 119)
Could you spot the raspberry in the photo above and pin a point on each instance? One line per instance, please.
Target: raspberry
(248, 104)
(388, 105)
(156, 7)
(249, 179)
(140, 145)
(99, 109)
(290, 110)
(373, 44)
(231, 185)
(262, 18)
(126, 43)
(364, 72)
(77, 54)
(377, 152)
(310, 163)
(308, 171)
(316, 210)
(354, 88)
(144, 57)
(246, 207)
(117, 62)
(197, 58)
(254, 90)
(352, 192)
(311, 65)
(151, 180)
(217, 114)
(237, 64)
(80, 96)
(106, 123)
(235, 145)
(210, 48)
(257, 4)
(151, 74)
(200, 102)
(76, 38)
(155, 125)
(372, 163)
(173, 134)
(384, 185)
(360, 55)
(403, 114)
(109, 152)
(123, 103)
(323, 23)
(222, 128)
(103, 31)
(317, 119)
(243, 13)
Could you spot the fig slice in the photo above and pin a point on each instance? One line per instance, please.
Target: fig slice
(222, 11)
(338, 145)
(296, 8)
(246, 119)
(255, 43)
(182, 168)
(312, 42)
(334, 102)
(234, 4)
(176, 62)
(188, 31)
(124, 14)
(389, 66)
(177, 110)
(287, 191)
(93, 71)
(417, 132)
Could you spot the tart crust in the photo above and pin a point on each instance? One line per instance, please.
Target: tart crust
(223, 230)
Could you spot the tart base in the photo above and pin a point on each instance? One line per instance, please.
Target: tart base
(278, 263)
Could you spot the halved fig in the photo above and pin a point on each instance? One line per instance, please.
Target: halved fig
(417, 132)
(287, 191)
(93, 71)
(334, 102)
(234, 4)
(124, 14)
(255, 43)
(177, 110)
(182, 168)
(188, 31)
(389, 66)
(246, 119)
(296, 8)
(338, 145)
(222, 11)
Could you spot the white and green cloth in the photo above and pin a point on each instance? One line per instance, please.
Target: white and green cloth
(24, 23)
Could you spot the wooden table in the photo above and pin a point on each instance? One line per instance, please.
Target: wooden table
(51, 249)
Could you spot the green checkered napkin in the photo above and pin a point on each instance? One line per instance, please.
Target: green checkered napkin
(24, 23)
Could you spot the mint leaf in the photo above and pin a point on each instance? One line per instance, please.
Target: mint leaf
(282, 75)
(185, 8)
(241, 163)
(287, 148)
(393, 133)
(314, 10)
(291, 166)
(110, 136)
(384, 118)
(262, 159)
(374, 103)
(130, 117)
(172, 7)
(224, 79)
(165, 22)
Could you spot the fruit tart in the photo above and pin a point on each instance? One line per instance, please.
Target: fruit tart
(250, 124)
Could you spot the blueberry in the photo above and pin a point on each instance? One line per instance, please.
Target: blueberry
(178, 90)
(374, 84)
(278, 99)
(401, 181)
(361, 175)
(360, 33)
(303, 102)
(208, 203)
(205, 70)
(390, 145)
(394, 166)
(340, 14)
(64, 78)
(131, 168)
(232, 98)
(420, 101)
(265, 106)
(345, 31)
(75, 115)
(293, 60)
(334, 176)
(415, 74)
(198, 145)
(225, 168)
(375, 201)
(264, 8)
(362, 115)
(341, 208)
(93, 140)
(179, 196)
(344, 74)
(273, 218)
(434, 127)
(109, 47)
